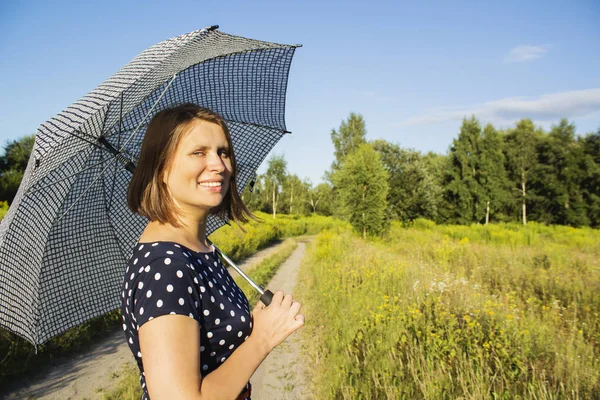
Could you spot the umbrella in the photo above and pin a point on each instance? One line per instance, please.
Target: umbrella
(68, 234)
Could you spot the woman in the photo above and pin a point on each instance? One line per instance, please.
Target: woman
(186, 321)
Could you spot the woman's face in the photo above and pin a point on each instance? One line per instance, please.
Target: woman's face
(200, 168)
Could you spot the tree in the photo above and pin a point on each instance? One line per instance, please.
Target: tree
(462, 191)
(12, 166)
(492, 176)
(362, 184)
(350, 135)
(558, 178)
(590, 183)
(521, 158)
(274, 179)
(413, 192)
(319, 199)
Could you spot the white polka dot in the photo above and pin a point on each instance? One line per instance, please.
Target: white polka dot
(129, 293)
(159, 303)
(157, 276)
(204, 367)
(202, 348)
(126, 285)
(243, 319)
(223, 359)
(140, 285)
(209, 335)
(142, 311)
(135, 261)
(210, 284)
(196, 304)
(250, 324)
(131, 340)
(139, 354)
(195, 280)
(220, 292)
(245, 338)
(132, 275)
(212, 299)
(150, 319)
(202, 288)
(169, 288)
(141, 247)
(149, 293)
(232, 346)
(228, 328)
(181, 301)
(179, 274)
(140, 270)
(127, 270)
(240, 334)
(176, 245)
(222, 306)
(232, 313)
(217, 321)
(213, 354)
(167, 261)
(206, 255)
(147, 269)
(124, 327)
(147, 254)
(191, 315)
(189, 289)
(169, 252)
(154, 244)
(123, 294)
(206, 313)
(172, 313)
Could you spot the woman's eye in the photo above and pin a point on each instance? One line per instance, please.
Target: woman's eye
(199, 153)
(224, 153)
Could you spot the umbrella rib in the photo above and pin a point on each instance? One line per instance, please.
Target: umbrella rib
(85, 191)
(69, 176)
(148, 113)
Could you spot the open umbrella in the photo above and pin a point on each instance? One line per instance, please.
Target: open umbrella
(68, 233)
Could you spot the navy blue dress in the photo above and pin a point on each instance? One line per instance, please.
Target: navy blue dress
(167, 278)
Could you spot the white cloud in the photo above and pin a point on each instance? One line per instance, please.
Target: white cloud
(543, 109)
(525, 54)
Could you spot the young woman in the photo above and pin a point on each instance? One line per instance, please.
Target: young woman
(187, 323)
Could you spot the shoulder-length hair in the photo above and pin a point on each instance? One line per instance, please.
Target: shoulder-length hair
(148, 195)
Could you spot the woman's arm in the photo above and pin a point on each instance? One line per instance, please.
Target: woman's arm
(170, 347)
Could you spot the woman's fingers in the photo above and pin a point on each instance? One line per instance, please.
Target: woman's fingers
(287, 301)
(295, 307)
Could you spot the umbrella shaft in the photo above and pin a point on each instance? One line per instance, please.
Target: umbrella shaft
(238, 270)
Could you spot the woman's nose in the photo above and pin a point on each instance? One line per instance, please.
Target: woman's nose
(215, 163)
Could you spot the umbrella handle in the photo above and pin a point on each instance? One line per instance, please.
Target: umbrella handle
(266, 297)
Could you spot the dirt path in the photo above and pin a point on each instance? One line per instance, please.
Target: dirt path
(80, 376)
(282, 375)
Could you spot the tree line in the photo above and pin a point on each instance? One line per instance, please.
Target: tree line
(488, 175)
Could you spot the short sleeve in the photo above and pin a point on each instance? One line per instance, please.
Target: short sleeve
(167, 285)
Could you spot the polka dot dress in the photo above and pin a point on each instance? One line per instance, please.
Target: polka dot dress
(165, 278)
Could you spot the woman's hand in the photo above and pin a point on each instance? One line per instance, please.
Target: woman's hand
(273, 324)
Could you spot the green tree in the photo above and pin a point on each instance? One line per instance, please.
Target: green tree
(349, 136)
(521, 156)
(590, 184)
(362, 184)
(274, 179)
(12, 166)
(462, 193)
(558, 178)
(413, 191)
(492, 176)
(320, 199)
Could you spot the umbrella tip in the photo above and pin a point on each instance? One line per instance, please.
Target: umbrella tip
(212, 28)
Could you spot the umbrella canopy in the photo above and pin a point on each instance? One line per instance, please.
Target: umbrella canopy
(68, 234)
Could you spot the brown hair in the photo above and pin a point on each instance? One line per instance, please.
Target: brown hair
(148, 195)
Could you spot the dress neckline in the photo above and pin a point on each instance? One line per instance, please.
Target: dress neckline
(175, 244)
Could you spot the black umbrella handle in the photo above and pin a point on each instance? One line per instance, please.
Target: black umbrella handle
(266, 297)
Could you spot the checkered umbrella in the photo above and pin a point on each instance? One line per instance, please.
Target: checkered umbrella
(68, 234)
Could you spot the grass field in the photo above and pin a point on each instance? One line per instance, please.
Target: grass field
(449, 312)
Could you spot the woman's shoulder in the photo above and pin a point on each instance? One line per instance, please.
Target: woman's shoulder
(160, 251)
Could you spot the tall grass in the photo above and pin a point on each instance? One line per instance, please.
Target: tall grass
(445, 312)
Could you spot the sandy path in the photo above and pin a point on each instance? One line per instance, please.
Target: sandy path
(282, 375)
(81, 375)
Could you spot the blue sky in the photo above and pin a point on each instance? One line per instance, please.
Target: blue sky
(412, 69)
